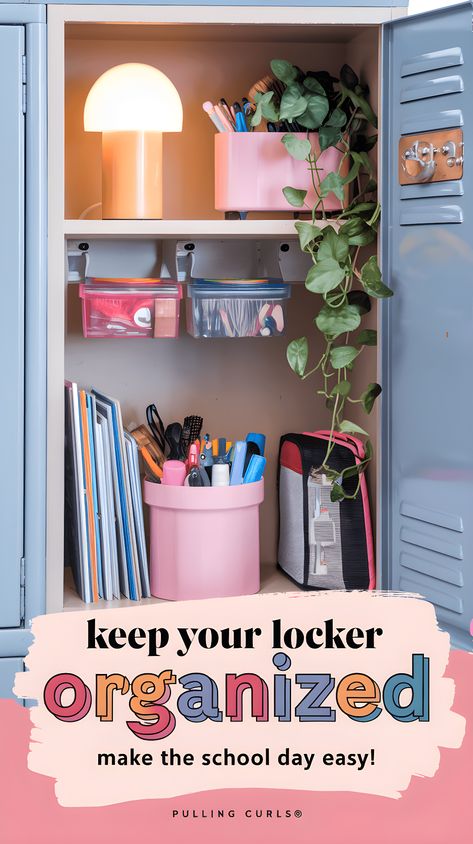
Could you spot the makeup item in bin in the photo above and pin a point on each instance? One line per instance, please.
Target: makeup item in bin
(236, 308)
(220, 473)
(238, 464)
(174, 473)
(258, 439)
(255, 469)
(130, 307)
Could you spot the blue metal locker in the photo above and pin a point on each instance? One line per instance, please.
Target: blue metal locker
(12, 226)
(23, 217)
(427, 327)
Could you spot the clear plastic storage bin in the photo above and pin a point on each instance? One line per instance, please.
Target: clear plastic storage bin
(130, 307)
(237, 308)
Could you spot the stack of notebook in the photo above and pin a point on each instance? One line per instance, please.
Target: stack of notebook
(104, 530)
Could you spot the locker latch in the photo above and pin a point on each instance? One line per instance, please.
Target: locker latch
(434, 157)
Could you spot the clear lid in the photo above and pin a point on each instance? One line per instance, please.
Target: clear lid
(245, 288)
(134, 286)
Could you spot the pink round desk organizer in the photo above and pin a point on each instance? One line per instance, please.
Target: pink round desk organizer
(252, 168)
(204, 540)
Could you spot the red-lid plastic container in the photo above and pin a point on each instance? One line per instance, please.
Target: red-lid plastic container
(130, 307)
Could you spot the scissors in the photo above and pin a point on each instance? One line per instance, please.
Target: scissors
(156, 426)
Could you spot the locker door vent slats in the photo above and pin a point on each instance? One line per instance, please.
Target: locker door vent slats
(432, 61)
(434, 87)
(432, 190)
(437, 571)
(440, 598)
(432, 121)
(431, 517)
(432, 543)
(421, 213)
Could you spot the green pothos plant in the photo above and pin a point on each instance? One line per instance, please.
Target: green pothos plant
(338, 109)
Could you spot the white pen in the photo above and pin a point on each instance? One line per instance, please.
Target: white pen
(209, 109)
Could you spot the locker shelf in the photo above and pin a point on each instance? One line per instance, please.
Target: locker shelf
(272, 580)
(179, 229)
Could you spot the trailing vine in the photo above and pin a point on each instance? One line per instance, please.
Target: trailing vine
(338, 109)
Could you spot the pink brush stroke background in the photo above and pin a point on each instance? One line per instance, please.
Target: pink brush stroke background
(402, 750)
(432, 811)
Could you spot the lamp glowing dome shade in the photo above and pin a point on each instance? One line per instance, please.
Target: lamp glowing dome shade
(132, 105)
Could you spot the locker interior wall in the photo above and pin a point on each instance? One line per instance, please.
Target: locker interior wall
(240, 386)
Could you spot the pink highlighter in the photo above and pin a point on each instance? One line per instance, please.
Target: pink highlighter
(174, 473)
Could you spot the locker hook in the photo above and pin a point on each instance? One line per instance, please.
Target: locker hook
(421, 154)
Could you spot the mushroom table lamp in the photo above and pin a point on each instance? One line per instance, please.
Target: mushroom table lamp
(132, 105)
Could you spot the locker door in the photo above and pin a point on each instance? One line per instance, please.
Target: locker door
(427, 327)
(12, 328)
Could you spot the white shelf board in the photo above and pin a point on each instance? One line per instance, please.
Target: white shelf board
(272, 580)
(180, 229)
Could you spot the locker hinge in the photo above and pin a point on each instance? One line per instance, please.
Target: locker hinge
(23, 84)
(22, 589)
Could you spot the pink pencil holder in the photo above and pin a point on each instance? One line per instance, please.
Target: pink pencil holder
(204, 540)
(252, 168)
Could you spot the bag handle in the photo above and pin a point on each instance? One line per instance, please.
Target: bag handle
(339, 437)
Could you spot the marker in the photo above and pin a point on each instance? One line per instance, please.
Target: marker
(255, 469)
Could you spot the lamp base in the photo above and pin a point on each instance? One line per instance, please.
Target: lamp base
(132, 175)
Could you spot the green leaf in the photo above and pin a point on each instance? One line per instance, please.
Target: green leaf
(329, 136)
(284, 70)
(342, 389)
(333, 183)
(351, 471)
(360, 102)
(294, 196)
(314, 86)
(348, 77)
(359, 209)
(369, 397)
(342, 356)
(368, 450)
(371, 280)
(337, 118)
(336, 321)
(292, 104)
(307, 233)
(297, 354)
(347, 427)
(352, 173)
(367, 337)
(315, 113)
(337, 493)
(264, 108)
(299, 148)
(324, 276)
(333, 246)
(359, 233)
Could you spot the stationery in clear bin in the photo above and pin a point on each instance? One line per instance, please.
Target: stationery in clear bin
(243, 308)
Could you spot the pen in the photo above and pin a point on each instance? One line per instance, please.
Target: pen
(209, 109)
(228, 127)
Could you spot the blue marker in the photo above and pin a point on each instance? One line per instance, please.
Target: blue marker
(255, 469)
(258, 439)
